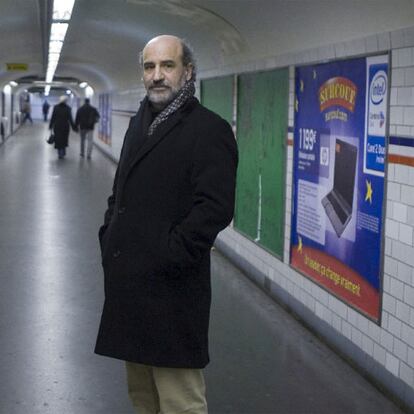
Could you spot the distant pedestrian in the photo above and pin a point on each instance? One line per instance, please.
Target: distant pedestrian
(26, 110)
(86, 118)
(61, 122)
(45, 109)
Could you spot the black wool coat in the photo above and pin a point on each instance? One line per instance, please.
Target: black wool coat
(60, 123)
(170, 199)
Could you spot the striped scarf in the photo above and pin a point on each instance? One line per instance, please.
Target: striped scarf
(185, 93)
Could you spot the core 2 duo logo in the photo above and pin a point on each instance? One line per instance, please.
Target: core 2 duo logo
(378, 89)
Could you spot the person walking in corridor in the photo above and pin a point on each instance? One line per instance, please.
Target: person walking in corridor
(86, 118)
(45, 109)
(27, 110)
(60, 123)
(173, 193)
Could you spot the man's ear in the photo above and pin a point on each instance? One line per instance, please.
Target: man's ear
(189, 71)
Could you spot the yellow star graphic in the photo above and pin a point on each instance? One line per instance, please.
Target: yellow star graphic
(368, 195)
(300, 245)
(302, 85)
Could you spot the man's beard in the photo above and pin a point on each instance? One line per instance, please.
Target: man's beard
(161, 100)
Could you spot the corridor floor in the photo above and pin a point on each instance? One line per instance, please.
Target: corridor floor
(263, 360)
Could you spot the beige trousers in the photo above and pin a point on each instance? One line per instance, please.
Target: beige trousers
(155, 390)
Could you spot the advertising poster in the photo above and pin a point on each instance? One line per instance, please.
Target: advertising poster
(338, 169)
(105, 121)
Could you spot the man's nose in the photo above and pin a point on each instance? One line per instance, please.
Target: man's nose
(158, 73)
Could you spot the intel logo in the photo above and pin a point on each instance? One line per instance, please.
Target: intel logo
(378, 88)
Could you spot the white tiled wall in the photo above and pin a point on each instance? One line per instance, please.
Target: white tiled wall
(392, 343)
(402, 92)
(7, 109)
(124, 106)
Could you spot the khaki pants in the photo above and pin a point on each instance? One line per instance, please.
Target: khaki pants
(156, 390)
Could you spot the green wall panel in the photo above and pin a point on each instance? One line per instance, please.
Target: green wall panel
(217, 95)
(262, 114)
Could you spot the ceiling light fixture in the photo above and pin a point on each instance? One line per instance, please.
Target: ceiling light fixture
(62, 12)
(58, 31)
(62, 9)
(89, 91)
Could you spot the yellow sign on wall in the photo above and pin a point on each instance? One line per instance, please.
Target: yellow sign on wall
(17, 66)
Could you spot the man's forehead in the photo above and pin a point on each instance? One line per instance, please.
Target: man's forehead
(163, 48)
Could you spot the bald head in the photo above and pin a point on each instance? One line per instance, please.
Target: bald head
(164, 41)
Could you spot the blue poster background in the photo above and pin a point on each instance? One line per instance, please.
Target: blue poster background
(323, 122)
(105, 122)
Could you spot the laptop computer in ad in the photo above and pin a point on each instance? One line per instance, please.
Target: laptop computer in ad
(338, 202)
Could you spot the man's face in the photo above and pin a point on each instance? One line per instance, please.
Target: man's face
(164, 73)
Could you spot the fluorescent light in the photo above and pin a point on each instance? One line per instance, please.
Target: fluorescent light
(62, 12)
(13, 83)
(83, 85)
(68, 91)
(52, 65)
(54, 57)
(7, 89)
(49, 77)
(89, 92)
(58, 31)
(55, 46)
(62, 9)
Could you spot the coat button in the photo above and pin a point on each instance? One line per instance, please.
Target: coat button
(116, 253)
(121, 210)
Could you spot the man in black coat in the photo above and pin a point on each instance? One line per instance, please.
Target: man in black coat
(60, 123)
(86, 118)
(173, 192)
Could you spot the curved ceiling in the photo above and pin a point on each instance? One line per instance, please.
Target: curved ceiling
(105, 36)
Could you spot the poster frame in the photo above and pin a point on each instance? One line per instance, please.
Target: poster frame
(382, 235)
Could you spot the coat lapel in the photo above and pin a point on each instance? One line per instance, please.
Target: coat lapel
(161, 131)
(159, 134)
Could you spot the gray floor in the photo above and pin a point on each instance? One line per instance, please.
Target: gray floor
(51, 296)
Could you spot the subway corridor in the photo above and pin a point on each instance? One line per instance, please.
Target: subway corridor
(262, 359)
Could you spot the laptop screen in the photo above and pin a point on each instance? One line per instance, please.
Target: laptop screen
(345, 163)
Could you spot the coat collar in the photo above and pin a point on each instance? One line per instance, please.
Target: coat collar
(162, 130)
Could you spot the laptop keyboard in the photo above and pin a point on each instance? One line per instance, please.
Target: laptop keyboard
(337, 207)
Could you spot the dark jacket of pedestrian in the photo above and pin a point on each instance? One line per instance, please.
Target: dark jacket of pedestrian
(45, 108)
(60, 123)
(86, 117)
(170, 199)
